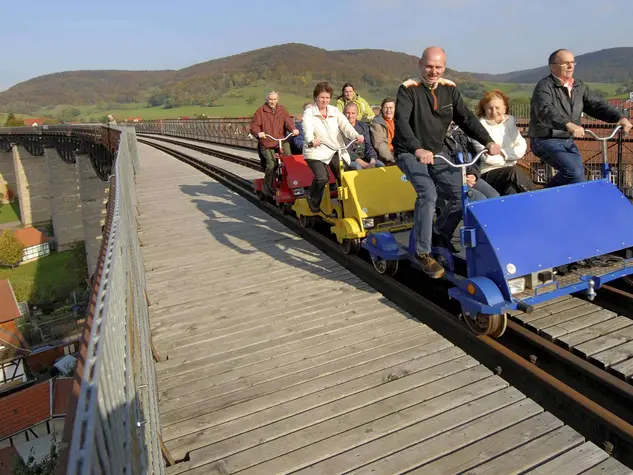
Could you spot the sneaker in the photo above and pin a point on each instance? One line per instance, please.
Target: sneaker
(430, 266)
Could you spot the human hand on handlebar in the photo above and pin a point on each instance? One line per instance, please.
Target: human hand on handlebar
(295, 132)
(493, 148)
(360, 138)
(424, 156)
(471, 180)
(261, 135)
(626, 125)
(576, 131)
(316, 142)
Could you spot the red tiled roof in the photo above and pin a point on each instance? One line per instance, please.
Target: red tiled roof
(30, 122)
(24, 409)
(14, 344)
(31, 237)
(9, 309)
(31, 406)
(63, 389)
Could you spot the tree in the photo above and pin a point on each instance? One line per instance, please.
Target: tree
(12, 121)
(10, 249)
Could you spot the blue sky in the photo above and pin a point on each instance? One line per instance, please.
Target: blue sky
(45, 36)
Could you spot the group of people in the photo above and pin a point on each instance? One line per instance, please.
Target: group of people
(429, 117)
(374, 149)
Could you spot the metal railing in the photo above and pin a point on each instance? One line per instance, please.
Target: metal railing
(116, 421)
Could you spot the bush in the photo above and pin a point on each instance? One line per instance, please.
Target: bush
(10, 249)
(45, 467)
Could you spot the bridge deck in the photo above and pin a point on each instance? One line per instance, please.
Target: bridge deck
(280, 360)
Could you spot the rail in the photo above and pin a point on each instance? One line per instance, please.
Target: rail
(113, 423)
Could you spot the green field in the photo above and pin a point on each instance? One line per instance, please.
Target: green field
(235, 103)
(47, 279)
(9, 212)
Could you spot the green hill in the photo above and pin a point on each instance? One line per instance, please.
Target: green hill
(235, 85)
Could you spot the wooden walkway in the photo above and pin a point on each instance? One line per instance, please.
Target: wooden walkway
(601, 336)
(281, 361)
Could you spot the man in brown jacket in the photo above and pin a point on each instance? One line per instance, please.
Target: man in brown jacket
(273, 119)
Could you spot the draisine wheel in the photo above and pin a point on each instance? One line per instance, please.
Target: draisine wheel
(306, 221)
(350, 246)
(286, 208)
(492, 325)
(385, 267)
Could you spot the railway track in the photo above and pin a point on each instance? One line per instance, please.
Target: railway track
(593, 401)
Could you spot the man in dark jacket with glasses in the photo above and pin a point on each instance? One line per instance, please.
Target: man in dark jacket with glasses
(556, 107)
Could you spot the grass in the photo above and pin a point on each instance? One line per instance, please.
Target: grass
(50, 278)
(9, 212)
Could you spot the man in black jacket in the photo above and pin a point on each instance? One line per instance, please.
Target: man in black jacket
(425, 107)
(556, 106)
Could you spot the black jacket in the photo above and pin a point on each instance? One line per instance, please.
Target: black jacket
(551, 108)
(418, 124)
(457, 141)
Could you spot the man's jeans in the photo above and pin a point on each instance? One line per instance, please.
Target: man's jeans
(563, 156)
(356, 166)
(429, 182)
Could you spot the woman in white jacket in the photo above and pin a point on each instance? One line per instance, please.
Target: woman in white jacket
(324, 129)
(500, 171)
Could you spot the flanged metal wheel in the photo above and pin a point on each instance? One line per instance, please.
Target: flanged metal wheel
(492, 325)
(350, 246)
(306, 221)
(385, 267)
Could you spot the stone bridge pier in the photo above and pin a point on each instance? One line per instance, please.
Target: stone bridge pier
(58, 188)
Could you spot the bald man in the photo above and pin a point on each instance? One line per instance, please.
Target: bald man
(556, 106)
(425, 107)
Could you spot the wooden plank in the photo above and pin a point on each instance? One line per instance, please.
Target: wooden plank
(213, 377)
(418, 432)
(299, 417)
(499, 431)
(532, 454)
(371, 382)
(594, 331)
(189, 418)
(230, 412)
(176, 365)
(558, 307)
(269, 329)
(543, 432)
(624, 369)
(609, 467)
(557, 331)
(557, 318)
(320, 441)
(613, 356)
(542, 305)
(291, 352)
(605, 342)
(574, 462)
(239, 352)
(198, 392)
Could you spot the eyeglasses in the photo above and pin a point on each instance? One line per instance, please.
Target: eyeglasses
(567, 63)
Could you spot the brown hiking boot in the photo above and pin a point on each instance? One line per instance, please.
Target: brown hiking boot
(430, 266)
